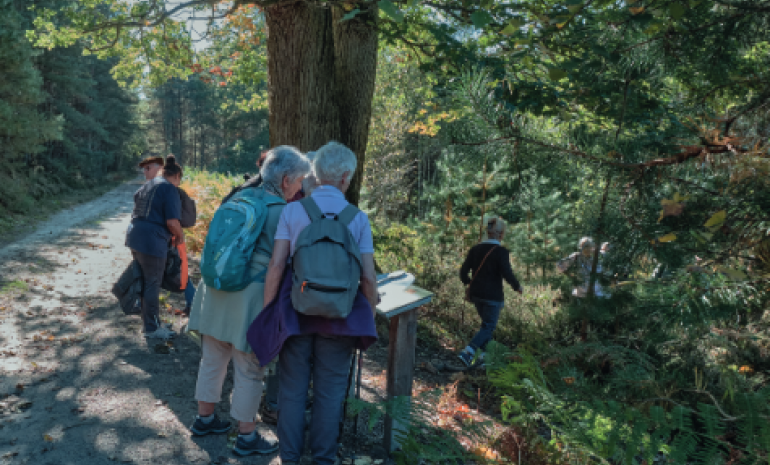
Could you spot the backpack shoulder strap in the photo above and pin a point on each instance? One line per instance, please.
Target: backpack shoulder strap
(311, 208)
(348, 214)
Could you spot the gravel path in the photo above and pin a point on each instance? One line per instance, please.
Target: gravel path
(79, 385)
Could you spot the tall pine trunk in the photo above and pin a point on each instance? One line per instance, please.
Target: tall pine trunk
(321, 79)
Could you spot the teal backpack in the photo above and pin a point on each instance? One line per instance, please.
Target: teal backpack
(231, 239)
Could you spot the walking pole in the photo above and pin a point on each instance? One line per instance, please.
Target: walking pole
(358, 388)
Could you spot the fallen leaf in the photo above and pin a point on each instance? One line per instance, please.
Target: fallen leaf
(716, 219)
(486, 453)
(47, 438)
(671, 209)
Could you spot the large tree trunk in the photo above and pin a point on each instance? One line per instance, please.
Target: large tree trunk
(300, 67)
(321, 79)
(355, 65)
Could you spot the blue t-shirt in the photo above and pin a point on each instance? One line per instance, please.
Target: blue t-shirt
(150, 235)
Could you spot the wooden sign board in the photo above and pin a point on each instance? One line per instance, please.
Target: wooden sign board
(399, 295)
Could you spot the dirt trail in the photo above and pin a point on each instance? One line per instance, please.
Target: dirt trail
(78, 382)
(80, 385)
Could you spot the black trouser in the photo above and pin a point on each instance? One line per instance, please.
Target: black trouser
(152, 273)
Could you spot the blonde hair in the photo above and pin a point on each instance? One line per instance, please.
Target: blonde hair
(494, 225)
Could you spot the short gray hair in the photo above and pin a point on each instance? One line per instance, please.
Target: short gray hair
(281, 161)
(310, 182)
(585, 242)
(332, 160)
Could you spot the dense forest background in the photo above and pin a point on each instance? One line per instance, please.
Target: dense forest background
(644, 124)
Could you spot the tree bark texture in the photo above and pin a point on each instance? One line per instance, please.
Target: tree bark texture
(355, 65)
(321, 75)
(300, 66)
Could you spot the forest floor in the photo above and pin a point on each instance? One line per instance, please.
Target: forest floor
(79, 384)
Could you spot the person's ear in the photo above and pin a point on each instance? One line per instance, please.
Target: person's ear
(345, 177)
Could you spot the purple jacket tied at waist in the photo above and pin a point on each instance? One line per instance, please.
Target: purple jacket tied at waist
(279, 321)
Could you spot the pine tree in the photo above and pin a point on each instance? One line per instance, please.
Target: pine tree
(24, 127)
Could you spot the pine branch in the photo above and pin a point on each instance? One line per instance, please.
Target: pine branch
(689, 152)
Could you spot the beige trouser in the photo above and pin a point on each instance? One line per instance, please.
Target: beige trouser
(247, 378)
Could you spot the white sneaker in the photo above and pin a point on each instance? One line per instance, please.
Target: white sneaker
(161, 333)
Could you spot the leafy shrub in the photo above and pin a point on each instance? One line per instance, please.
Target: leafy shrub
(207, 189)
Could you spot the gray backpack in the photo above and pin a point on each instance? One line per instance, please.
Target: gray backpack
(326, 264)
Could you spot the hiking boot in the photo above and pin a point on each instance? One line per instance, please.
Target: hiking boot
(268, 415)
(466, 358)
(161, 333)
(215, 426)
(258, 445)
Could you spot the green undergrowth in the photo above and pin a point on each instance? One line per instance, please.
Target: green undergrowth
(673, 370)
(13, 286)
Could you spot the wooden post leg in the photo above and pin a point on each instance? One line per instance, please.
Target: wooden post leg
(403, 341)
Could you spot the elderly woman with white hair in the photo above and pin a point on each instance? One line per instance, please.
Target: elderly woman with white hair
(222, 318)
(582, 262)
(490, 264)
(313, 346)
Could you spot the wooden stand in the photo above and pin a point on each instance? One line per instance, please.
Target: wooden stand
(401, 355)
(399, 304)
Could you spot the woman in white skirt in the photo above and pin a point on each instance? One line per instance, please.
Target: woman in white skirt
(223, 318)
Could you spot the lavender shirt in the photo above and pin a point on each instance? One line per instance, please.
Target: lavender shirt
(278, 320)
(331, 201)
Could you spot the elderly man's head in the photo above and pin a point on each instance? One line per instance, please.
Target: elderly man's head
(284, 169)
(334, 165)
(151, 166)
(586, 246)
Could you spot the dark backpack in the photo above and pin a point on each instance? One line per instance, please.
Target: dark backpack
(128, 289)
(172, 276)
(189, 212)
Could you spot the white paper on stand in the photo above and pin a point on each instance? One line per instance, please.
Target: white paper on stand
(398, 293)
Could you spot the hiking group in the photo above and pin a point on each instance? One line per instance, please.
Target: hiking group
(288, 293)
